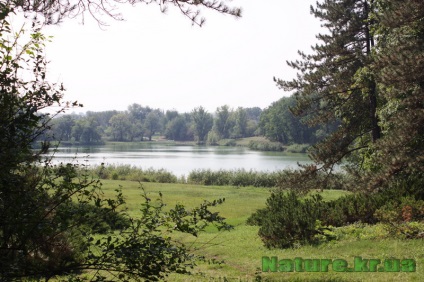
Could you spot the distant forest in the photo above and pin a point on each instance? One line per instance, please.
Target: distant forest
(141, 123)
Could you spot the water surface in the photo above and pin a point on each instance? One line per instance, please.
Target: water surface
(180, 159)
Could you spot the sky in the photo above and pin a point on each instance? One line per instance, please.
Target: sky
(163, 61)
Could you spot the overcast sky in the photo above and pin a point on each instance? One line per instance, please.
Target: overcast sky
(162, 61)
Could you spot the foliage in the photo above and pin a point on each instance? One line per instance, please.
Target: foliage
(307, 178)
(328, 86)
(127, 172)
(223, 121)
(84, 131)
(213, 138)
(241, 246)
(146, 249)
(404, 217)
(277, 123)
(397, 207)
(152, 123)
(120, 127)
(297, 148)
(31, 241)
(359, 76)
(227, 142)
(178, 128)
(97, 220)
(203, 122)
(365, 75)
(288, 221)
(325, 233)
(139, 123)
(240, 123)
(265, 146)
(238, 178)
(399, 68)
(353, 208)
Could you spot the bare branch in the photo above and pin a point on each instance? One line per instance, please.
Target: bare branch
(56, 10)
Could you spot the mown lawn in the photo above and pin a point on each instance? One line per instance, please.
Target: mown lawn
(241, 249)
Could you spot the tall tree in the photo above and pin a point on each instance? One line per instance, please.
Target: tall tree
(86, 131)
(223, 121)
(399, 69)
(138, 112)
(254, 113)
(335, 82)
(240, 123)
(102, 118)
(152, 124)
(121, 126)
(178, 128)
(278, 123)
(62, 128)
(203, 122)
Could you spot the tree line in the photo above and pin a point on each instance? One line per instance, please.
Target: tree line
(140, 123)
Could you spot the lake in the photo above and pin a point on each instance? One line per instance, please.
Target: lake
(180, 160)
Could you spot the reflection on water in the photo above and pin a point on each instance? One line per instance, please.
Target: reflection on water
(180, 159)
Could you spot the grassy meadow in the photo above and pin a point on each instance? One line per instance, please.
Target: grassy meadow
(237, 254)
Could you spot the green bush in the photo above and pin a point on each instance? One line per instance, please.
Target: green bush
(298, 148)
(132, 173)
(406, 210)
(96, 219)
(213, 138)
(239, 178)
(288, 221)
(265, 146)
(359, 231)
(352, 208)
(324, 233)
(227, 142)
(403, 218)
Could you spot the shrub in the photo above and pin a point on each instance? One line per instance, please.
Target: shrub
(213, 138)
(404, 218)
(324, 233)
(127, 172)
(227, 142)
(298, 148)
(240, 177)
(265, 146)
(96, 219)
(352, 208)
(359, 230)
(288, 221)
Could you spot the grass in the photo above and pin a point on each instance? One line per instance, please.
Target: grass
(241, 249)
(193, 195)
